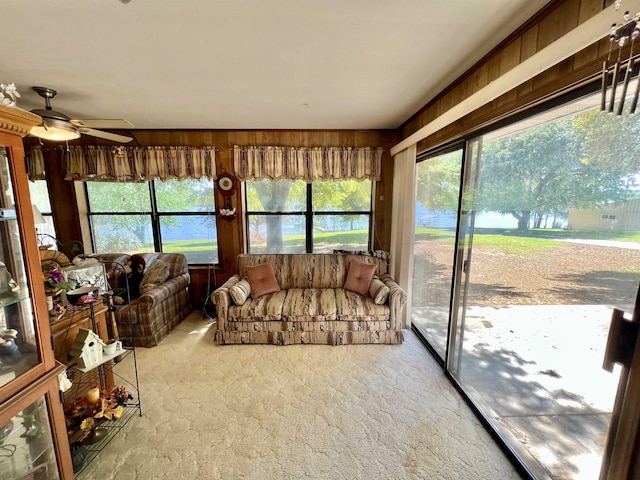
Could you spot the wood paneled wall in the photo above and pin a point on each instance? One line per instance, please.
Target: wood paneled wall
(230, 232)
(554, 21)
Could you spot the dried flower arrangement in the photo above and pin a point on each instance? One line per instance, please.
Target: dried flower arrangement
(83, 415)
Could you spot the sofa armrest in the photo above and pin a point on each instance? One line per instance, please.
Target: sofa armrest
(139, 309)
(397, 300)
(221, 299)
(163, 291)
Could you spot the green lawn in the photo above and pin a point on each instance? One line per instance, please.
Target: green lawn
(507, 240)
(518, 242)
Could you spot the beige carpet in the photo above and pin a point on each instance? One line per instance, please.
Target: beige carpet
(304, 411)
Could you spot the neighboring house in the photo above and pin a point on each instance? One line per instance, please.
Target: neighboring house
(615, 217)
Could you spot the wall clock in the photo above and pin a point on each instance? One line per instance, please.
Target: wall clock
(226, 184)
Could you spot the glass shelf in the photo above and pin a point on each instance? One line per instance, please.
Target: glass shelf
(5, 215)
(11, 298)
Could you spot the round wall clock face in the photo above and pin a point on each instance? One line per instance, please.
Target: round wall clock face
(225, 183)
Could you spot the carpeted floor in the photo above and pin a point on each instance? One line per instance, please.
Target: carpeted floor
(309, 411)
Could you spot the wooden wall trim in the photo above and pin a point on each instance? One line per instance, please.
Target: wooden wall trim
(564, 20)
(230, 232)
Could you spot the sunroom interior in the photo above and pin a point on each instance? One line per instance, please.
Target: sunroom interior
(508, 322)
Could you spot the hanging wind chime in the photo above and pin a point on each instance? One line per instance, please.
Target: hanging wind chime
(621, 36)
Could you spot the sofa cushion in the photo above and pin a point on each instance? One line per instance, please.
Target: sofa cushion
(266, 307)
(240, 291)
(262, 280)
(155, 275)
(352, 306)
(359, 277)
(309, 304)
(378, 291)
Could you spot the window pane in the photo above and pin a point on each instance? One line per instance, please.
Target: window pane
(193, 235)
(342, 196)
(40, 195)
(280, 196)
(188, 195)
(40, 198)
(542, 274)
(348, 232)
(277, 234)
(118, 197)
(434, 248)
(122, 233)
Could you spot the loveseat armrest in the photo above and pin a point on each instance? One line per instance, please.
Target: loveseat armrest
(140, 308)
(221, 299)
(397, 301)
(163, 291)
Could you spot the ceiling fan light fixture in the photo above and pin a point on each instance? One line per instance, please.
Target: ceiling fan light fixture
(55, 130)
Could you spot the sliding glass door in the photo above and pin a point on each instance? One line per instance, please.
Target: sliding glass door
(518, 298)
(438, 192)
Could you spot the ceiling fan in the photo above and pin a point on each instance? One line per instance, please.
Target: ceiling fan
(60, 127)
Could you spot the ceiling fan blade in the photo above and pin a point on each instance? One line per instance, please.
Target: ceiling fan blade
(108, 123)
(106, 135)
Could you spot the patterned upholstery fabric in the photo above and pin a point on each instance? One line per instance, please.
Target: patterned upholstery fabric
(150, 317)
(312, 306)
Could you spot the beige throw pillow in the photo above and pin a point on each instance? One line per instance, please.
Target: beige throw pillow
(156, 274)
(359, 277)
(240, 291)
(262, 280)
(378, 291)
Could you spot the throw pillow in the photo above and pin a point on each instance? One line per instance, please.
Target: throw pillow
(359, 277)
(155, 275)
(262, 280)
(240, 291)
(378, 291)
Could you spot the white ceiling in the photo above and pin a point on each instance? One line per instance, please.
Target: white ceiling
(244, 64)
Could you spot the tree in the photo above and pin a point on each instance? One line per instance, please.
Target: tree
(439, 182)
(122, 197)
(272, 196)
(342, 196)
(611, 142)
(543, 171)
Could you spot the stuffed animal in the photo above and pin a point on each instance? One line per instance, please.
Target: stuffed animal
(134, 269)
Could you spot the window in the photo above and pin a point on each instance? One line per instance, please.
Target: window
(40, 198)
(171, 216)
(295, 217)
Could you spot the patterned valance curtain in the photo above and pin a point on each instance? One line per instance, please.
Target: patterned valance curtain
(35, 163)
(308, 164)
(133, 164)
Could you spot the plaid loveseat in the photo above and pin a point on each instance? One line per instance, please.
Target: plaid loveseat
(154, 314)
(312, 306)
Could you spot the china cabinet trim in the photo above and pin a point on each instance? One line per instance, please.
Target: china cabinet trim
(16, 121)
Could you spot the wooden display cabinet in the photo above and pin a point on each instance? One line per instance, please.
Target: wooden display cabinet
(33, 437)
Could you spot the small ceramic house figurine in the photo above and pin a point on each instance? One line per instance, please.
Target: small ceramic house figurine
(87, 348)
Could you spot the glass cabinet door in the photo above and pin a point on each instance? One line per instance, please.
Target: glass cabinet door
(18, 340)
(26, 445)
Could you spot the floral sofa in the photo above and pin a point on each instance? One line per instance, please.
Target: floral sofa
(311, 306)
(151, 316)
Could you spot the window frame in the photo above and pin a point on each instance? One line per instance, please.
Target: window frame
(155, 216)
(308, 215)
